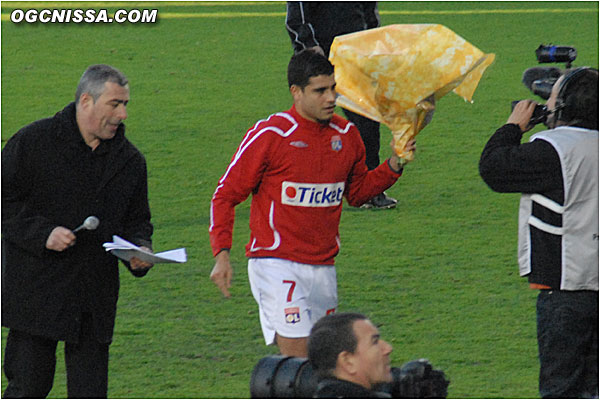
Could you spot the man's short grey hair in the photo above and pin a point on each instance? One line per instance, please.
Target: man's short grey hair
(93, 79)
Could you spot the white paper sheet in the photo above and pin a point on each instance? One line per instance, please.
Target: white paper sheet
(126, 250)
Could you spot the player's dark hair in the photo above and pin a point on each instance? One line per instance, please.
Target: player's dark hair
(331, 335)
(578, 95)
(306, 64)
(95, 76)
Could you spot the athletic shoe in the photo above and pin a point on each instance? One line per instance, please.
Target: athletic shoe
(381, 202)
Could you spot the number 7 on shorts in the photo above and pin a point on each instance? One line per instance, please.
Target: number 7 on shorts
(291, 291)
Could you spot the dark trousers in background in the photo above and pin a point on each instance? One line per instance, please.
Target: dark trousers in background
(567, 324)
(30, 361)
(369, 132)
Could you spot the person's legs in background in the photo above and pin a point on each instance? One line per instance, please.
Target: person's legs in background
(369, 132)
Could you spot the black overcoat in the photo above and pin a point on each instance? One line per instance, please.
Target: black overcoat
(49, 181)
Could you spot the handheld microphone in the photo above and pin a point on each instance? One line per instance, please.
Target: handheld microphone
(89, 224)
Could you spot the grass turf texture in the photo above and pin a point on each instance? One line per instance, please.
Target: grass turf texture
(438, 272)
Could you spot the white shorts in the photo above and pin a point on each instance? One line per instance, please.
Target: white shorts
(291, 296)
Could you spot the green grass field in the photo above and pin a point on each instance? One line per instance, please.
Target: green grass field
(438, 272)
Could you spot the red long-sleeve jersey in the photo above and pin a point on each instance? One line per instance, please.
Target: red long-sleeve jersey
(298, 172)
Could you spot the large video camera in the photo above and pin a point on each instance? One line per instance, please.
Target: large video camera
(540, 80)
(280, 377)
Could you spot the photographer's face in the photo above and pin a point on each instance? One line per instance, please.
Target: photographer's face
(551, 104)
(372, 355)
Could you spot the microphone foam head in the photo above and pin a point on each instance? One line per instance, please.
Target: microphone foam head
(539, 73)
(91, 223)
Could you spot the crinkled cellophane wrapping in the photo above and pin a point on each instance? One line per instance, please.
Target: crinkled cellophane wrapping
(395, 74)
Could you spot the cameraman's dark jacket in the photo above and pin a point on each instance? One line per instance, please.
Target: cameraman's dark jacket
(332, 388)
(317, 23)
(509, 167)
(51, 178)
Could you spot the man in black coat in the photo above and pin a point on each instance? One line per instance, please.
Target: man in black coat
(58, 285)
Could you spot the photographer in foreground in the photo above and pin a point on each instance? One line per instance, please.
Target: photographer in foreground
(352, 361)
(346, 349)
(557, 174)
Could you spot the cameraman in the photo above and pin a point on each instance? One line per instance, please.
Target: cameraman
(557, 174)
(347, 351)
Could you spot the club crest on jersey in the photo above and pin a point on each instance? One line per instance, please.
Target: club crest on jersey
(336, 143)
(292, 315)
(312, 194)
